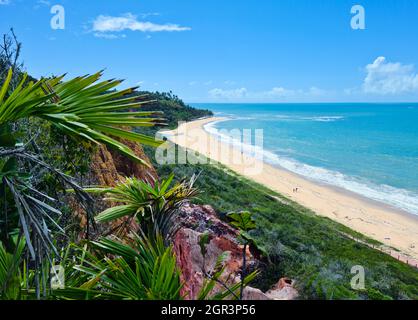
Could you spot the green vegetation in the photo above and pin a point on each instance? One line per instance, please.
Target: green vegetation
(315, 251)
(10, 273)
(153, 204)
(213, 277)
(311, 249)
(48, 130)
(173, 107)
(244, 222)
(80, 108)
(80, 114)
(108, 269)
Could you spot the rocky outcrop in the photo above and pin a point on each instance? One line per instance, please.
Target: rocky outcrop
(108, 167)
(194, 266)
(103, 168)
(203, 218)
(129, 168)
(196, 220)
(283, 290)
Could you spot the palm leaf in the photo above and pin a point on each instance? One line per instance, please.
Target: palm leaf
(82, 108)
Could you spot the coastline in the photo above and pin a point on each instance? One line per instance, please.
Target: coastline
(390, 226)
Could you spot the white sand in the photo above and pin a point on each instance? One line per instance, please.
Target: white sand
(379, 222)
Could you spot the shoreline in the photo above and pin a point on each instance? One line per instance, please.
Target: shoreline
(391, 226)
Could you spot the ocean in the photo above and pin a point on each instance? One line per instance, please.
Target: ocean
(369, 149)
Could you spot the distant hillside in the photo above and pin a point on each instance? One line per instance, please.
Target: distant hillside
(174, 108)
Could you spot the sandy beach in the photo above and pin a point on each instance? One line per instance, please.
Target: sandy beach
(389, 226)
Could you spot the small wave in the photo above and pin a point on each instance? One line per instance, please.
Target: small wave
(327, 119)
(223, 114)
(399, 198)
(244, 118)
(315, 118)
(396, 197)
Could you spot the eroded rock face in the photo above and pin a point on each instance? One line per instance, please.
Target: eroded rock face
(202, 218)
(194, 266)
(108, 168)
(196, 220)
(251, 293)
(129, 168)
(190, 261)
(283, 290)
(103, 168)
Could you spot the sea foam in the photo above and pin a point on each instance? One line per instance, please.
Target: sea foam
(396, 197)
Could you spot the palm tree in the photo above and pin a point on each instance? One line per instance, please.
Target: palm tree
(244, 222)
(83, 108)
(154, 205)
(109, 269)
(10, 274)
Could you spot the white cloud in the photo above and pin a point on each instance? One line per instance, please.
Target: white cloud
(387, 78)
(149, 14)
(44, 2)
(4, 2)
(273, 95)
(229, 82)
(129, 21)
(314, 91)
(110, 36)
(279, 92)
(233, 94)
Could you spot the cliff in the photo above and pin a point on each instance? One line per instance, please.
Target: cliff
(195, 220)
(109, 167)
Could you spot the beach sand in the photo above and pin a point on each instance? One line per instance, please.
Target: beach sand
(382, 223)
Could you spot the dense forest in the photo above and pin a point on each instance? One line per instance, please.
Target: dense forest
(173, 108)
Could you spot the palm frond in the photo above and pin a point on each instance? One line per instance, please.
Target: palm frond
(82, 108)
(224, 290)
(113, 270)
(154, 205)
(10, 275)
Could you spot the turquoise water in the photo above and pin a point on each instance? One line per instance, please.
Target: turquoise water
(370, 149)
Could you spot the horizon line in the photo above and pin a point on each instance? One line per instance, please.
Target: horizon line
(343, 102)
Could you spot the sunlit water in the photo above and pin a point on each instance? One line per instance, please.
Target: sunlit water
(370, 149)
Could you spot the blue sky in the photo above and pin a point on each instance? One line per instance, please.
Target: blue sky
(228, 51)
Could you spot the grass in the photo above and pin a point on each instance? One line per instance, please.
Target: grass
(313, 250)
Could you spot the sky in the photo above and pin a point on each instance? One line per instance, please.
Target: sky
(227, 50)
